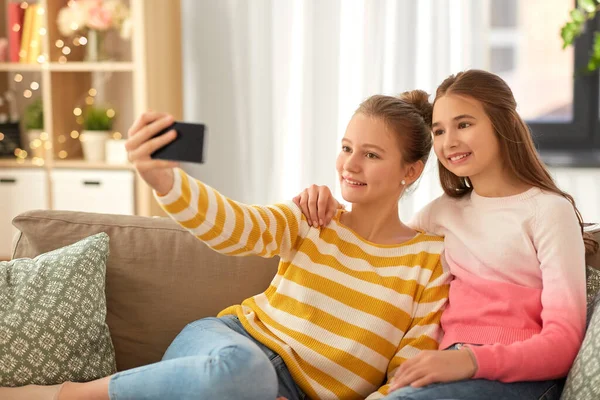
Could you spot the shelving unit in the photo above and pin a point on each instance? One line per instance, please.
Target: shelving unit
(145, 73)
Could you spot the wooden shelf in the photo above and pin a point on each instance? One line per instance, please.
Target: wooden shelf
(13, 163)
(144, 79)
(82, 164)
(17, 67)
(117, 66)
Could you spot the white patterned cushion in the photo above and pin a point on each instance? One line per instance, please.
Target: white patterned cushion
(52, 316)
(583, 382)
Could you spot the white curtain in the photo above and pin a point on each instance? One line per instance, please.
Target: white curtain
(276, 82)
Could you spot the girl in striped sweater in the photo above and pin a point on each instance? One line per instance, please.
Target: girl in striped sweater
(351, 300)
(514, 243)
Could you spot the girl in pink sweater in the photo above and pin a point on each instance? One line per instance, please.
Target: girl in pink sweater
(514, 243)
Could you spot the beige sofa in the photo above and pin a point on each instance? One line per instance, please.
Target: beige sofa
(159, 277)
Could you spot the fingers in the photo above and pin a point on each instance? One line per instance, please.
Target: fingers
(144, 151)
(424, 381)
(304, 206)
(313, 196)
(151, 164)
(144, 120)
(147, 130)
(324, 205)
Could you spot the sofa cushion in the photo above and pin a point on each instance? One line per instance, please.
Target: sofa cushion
(159, 276)
(53, 316)
(583, 382)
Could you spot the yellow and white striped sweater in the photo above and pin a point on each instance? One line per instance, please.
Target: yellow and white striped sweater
(342, 312)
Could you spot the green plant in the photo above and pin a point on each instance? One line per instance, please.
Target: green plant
(98, 118)
(34, 115)
(585, 10)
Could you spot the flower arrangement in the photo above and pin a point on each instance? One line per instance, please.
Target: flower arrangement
(97, 15)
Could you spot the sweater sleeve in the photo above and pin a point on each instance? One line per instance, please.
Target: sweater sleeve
(549, 354)
(424, 332)
(423, 220)
(230, 227)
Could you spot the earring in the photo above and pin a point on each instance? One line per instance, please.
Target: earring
(403, 182)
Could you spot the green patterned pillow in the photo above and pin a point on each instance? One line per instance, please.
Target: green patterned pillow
(583, 382)
(52, 316)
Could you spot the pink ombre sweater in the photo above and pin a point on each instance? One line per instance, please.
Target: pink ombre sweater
(519, 286)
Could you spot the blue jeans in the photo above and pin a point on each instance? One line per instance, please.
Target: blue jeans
(476, 389)
(212, 358)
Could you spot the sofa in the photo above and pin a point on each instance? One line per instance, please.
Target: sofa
(159, 277)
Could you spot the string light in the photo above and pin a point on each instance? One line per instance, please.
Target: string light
(83, 40)
(62, 60)
(18, 78)
(34, 86)
(62, 154)
(74, 134)
(24, 5)
(79, 120)
(47, 145)
(77, 111)
(89, 100)
(42, 31)
(66, 50)
(117, 136)
(41, 10)
(41, 58)
(59, 43)
(16, 28)
(110, 113)
(27, 93)
(44, 136)
(62, 139)
(38, 161)
(92, 92)
(1, 136)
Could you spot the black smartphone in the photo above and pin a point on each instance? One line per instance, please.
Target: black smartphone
(188, 146)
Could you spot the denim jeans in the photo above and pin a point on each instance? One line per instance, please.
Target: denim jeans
(212, 358)
(477, 389)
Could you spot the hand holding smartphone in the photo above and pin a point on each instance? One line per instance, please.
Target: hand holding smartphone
(188, 146)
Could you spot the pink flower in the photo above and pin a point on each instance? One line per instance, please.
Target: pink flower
(99, 18)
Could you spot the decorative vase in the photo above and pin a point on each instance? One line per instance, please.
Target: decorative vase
(94, 49)
(93, 144)
(116, 152)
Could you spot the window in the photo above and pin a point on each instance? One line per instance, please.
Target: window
(558, 101)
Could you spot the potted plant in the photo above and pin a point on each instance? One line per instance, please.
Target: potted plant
(97, 126)
(33, 120)
(575, 26)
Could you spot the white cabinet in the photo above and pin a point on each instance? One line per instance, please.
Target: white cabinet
(20, 190)
(99, 191)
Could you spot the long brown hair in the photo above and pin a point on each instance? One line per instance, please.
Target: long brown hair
(516, 144)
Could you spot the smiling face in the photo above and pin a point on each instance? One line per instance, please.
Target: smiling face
(463, 137)
(369, 165)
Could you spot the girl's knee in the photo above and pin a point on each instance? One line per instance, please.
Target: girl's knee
(245, 373)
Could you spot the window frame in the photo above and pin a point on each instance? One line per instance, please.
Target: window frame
(575, 143)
